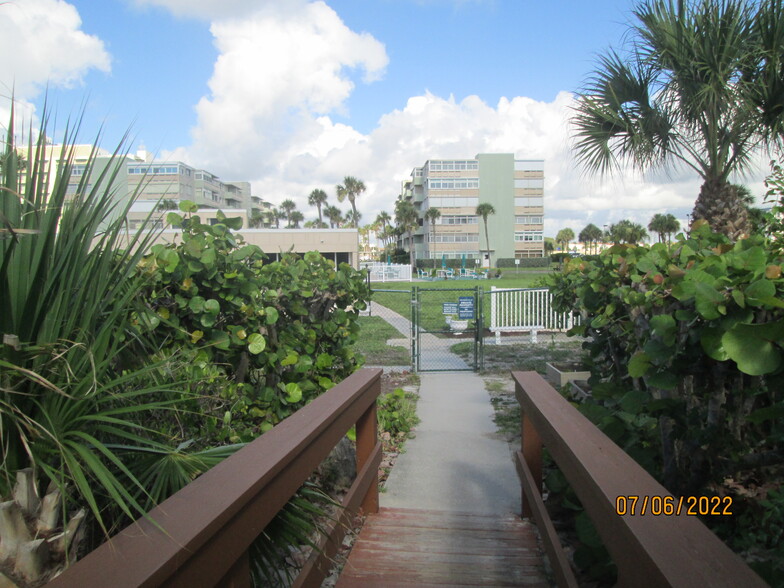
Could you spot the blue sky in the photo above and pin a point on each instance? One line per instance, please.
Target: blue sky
(295, 94)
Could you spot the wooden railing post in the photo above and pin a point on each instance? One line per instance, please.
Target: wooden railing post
(367, 438)
(531, 447)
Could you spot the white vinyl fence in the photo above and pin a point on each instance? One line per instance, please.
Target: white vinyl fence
(516, 310)
(387, 272)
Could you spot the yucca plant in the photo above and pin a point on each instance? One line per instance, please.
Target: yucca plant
(71, 409)
(84, 398)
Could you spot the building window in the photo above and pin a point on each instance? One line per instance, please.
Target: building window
(530, 201)
(457, 238)
(154, 170)
(523, 165)
(454, 202)
(77, 170)
(529, 236)
(453, 165)
(457, 220)
(529, 220)
(453, 183)
(530, 183)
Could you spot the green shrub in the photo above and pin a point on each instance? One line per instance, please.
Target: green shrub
(697, 329)
(397, 412)
(686, 346)
(263, 338)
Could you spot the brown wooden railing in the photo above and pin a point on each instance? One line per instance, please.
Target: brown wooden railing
(648, 550)
(200, 536)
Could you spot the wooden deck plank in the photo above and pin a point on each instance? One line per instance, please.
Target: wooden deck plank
(407, 547)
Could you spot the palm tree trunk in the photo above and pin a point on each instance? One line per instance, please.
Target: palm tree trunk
(719, 204)
(487, 240)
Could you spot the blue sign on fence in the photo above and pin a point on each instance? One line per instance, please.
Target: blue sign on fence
(449, 307)
(465, 307)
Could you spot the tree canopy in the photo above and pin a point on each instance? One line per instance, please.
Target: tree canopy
(698, 85)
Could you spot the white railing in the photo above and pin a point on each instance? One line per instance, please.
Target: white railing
(387, 272)
(530, 310)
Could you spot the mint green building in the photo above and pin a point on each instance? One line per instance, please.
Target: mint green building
(514, 188)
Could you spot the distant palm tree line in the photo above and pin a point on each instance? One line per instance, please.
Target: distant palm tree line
(328, 215)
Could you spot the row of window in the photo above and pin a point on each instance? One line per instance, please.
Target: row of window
(453, 165)
(450, 255)
(523, 253)
(531, 201)
(529, 236)
(454, 202)
(529, 220)
(453, 183)
(142, 169)
(531, 184)
(457, 238)
(457, 220)
(525, 165)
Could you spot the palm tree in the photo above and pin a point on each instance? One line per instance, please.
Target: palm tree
(295, 217)
(665, 225)
(433, 214)
(564, 237)
(383, 219)
(350, 188)
(317, 198)
(700, 88)
(287, 206)
(625, 231)
(353, 217)
(256, 219)
(276, 215)
(590, 235)
(334, 216)
(484, 210)
(408, 220)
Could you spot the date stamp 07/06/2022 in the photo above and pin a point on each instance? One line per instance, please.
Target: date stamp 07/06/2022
(644, 505)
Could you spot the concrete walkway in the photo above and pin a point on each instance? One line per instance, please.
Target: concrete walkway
(457, 462)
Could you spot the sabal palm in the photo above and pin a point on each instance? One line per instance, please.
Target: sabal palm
(663, 224)
(383, 219)
(564, 237)
(295, 217)
(700, 88)
(626, 231)
(407, 219)
(317, 198)
(287, 207)
(590, 235)
(484, 210)
(334, 216)
(350, 189)
(432, 215)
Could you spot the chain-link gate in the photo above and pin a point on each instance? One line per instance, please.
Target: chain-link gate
(442, 318)
(394, 308)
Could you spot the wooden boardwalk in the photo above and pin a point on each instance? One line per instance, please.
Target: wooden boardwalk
(409, 547)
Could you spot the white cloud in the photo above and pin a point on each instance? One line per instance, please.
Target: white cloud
(276, 76)
(222, 9)
(281, 75)
(41, 42)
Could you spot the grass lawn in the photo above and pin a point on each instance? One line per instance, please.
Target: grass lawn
(397, 295)
(372, 343)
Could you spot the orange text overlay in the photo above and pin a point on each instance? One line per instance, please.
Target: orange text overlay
(643, 505)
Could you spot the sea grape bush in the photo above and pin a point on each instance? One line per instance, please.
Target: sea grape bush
(262, 338)
(691, 334)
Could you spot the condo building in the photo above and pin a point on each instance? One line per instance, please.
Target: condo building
(455, 187)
